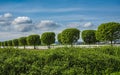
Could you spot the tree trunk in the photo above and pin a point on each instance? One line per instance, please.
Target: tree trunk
(114, 42)
(48, 46)
(24, 46)
(89, 43)
(111, 43)
(34, 46)
(71, 45)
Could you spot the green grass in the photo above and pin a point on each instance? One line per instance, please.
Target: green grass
(60, 61)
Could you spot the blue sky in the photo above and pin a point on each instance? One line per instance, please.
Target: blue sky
(24, 17)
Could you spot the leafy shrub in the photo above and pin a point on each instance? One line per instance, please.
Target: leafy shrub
(60, 61)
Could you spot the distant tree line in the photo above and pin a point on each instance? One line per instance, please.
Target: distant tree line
(105, 32)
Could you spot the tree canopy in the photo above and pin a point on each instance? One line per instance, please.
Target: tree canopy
(59, 38)
(15, 42)
(88, 36)
(33, 40)
(2, 43)
(48, 38)
(9, 43)
(23, 41)
(108, 31)
(70, 36)
(5, 43)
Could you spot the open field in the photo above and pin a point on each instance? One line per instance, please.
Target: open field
(60, 61)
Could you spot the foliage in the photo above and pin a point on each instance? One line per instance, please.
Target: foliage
(108, 31)
(23, 41)
(48, 38)
(88, 36)
(15, 42)
(0, 44)
(9, 43)
(33, 40)
(59, 38)
(60, 61)
(70, 36)
(5, 43)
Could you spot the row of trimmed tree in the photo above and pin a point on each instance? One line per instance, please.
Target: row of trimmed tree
(47, 38)
(105, 32)
(70, 36)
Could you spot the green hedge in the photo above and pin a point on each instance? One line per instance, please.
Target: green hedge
(60, 61)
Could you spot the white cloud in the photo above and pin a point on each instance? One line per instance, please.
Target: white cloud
(47, 25)
(23, 28)
(88, 24)
(22, 20)
(5, 21)
(22, 24)
(7, 15)
(81, 25)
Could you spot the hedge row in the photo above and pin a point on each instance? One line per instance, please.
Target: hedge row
(60, 61)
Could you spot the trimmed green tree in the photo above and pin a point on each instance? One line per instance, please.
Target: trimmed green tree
(15, 42)
(5, 43)
(59, 38)
(88, 36)
(0, 44)
(108, 32)
(70, 36)
(33, 40)
(23, 41)
(9, 43)
(48, 38)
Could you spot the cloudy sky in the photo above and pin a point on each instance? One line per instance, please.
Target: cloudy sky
(24, 17)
